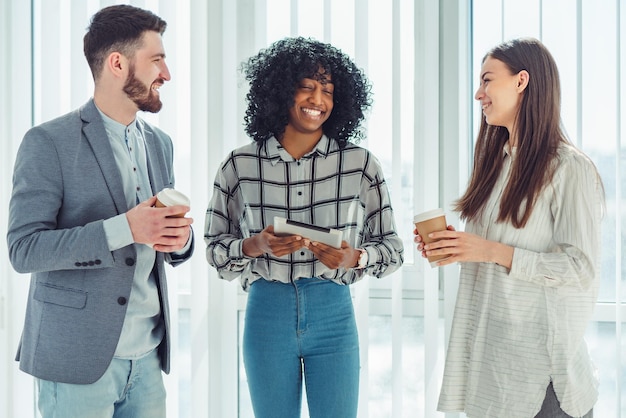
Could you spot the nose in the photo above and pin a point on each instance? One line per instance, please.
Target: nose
(165, 72)
(480, 93)
(316, 96)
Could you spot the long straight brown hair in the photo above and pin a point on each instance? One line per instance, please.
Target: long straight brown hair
(538, 130)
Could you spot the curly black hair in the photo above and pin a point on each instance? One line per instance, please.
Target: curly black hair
(274, 74)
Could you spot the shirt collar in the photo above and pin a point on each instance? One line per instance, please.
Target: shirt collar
(276, 152)
(509, 150)
(116, 128)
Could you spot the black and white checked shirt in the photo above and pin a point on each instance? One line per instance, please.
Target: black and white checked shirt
(329, 187)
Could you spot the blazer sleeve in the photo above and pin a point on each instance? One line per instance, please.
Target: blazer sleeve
(57, 207)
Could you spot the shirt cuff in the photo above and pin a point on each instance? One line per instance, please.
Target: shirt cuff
(118, 232)
(235, 251)
(523, 264)
(183, 251)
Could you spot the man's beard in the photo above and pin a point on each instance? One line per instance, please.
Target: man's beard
(141, 95)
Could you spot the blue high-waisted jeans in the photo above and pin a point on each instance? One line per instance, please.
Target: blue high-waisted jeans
(301, 328)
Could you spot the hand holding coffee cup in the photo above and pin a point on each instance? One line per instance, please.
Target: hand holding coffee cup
(171, 197)
(427, 222)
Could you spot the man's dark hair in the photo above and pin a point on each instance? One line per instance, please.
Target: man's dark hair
(274, 74)
(120, 29)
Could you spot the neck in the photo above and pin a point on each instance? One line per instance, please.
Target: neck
(512, 135)
(298, 144)
(115, 105)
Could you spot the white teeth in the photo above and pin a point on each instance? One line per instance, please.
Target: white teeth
(312, 112)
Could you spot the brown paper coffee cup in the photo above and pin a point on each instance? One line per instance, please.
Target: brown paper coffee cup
(171, 197)
(427, 222)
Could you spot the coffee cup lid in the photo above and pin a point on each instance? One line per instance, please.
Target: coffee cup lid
(171, 197)
(428, 215)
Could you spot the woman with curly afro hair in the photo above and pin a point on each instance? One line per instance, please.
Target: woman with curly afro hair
(305, 106)
(275, 73)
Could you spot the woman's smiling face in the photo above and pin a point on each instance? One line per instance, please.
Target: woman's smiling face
(313, 104)
(500, 93)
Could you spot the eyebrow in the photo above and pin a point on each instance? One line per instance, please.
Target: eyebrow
(485, 73)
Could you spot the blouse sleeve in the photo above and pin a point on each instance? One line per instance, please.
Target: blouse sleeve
(576, 209)
(222, 235)
(380, 239)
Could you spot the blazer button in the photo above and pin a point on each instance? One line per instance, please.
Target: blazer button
(85, 264)
(98, 262)
(78, 264)
(121, 300)
(130, 262)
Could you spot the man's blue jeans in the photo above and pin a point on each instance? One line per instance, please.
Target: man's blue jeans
(128, 389)
(306, 328)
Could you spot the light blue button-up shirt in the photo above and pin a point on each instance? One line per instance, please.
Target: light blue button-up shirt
(143, 329)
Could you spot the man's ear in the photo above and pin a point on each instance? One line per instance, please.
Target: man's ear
(117, 64)
(522, 80)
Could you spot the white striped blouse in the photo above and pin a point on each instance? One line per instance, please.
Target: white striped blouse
(515, 331)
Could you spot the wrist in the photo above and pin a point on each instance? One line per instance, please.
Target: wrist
(249, 248)
(503, 255)
(362, 259)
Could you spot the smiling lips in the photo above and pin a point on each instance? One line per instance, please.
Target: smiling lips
(157, 85)
(313, 113)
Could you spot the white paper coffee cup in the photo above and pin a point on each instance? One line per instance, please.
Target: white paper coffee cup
(171, 197)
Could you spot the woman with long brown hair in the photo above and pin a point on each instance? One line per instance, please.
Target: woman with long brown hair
(529, 255)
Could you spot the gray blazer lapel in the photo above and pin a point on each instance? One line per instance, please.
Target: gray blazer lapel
(94, 132)
(156, 163)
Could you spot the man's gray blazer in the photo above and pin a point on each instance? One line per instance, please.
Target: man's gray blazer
(66, 182)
